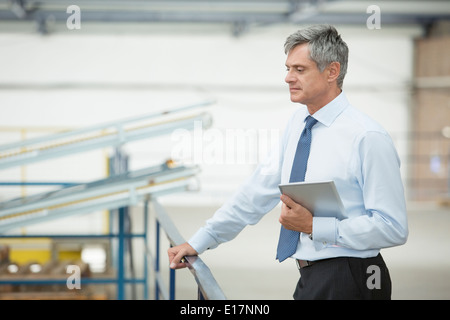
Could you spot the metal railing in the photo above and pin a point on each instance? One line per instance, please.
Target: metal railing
(111, 134)
(208, 288)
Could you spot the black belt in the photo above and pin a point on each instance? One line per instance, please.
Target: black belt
(304, 263)
(307, 263)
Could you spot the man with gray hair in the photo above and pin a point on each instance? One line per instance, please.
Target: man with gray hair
(325, 139)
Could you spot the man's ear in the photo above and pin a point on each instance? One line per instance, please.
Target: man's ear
(334, 69)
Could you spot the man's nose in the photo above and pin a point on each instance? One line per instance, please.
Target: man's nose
(289, 78)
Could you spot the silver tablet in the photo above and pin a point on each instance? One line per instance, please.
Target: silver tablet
(321, 198)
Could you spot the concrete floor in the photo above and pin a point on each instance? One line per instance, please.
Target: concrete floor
(246, 268)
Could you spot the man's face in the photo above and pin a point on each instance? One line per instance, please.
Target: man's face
(307, 85)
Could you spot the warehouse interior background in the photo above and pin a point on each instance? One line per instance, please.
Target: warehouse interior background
(69, 66)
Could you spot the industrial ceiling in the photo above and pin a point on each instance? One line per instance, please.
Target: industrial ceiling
(240, 14)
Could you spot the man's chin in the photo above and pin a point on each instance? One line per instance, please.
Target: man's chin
(296, 99)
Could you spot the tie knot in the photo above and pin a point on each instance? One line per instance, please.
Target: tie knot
(310, 122)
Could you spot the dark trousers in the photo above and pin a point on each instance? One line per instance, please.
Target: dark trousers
(345, 278)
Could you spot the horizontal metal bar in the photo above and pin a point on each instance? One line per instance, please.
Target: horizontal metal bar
(112, 193)
(203, 276)
(78, 236)
(39, 184)
(439, 82)
(106, 204)
(30, 151)
(83, 281)
(170, 5)
(263, 17)
(111, 185)
(112, 124)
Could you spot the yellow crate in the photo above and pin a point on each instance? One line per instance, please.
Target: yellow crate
(22, 251)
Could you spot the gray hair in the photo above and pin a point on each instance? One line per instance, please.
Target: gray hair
(325, 47)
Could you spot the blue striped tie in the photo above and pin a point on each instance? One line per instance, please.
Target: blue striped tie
(288, 241)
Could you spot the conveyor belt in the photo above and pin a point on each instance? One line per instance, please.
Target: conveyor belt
(110, 193)
(105, 135)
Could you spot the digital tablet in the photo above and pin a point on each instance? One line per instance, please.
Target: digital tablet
(321, 198)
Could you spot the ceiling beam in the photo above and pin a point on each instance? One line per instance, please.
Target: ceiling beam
(240, 14)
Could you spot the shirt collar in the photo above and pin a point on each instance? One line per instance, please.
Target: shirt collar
(328, 113)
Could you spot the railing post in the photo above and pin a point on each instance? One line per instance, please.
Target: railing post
(172, 285)
(157, 260)
(145, 254)
(121, 256)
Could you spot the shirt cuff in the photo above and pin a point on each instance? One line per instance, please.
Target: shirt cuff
(324, 231)
(202, 241)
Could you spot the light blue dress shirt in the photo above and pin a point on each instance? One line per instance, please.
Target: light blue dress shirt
(347, 147)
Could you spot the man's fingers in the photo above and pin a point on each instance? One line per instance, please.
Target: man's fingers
(287, 201)
(177, 254)
(178, 261)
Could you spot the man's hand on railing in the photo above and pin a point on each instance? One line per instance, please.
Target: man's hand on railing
(177, 254)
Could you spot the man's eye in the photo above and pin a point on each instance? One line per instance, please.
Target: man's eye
(299, 70)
